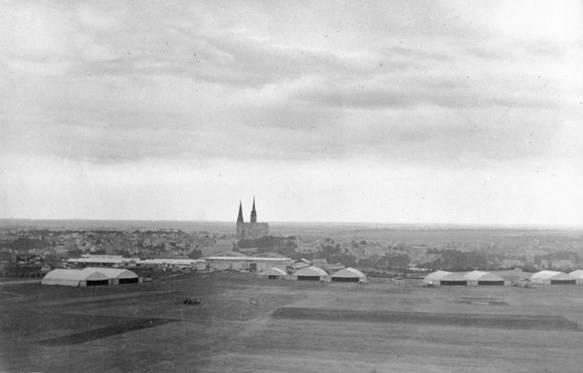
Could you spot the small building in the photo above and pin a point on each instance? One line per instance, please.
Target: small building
(75, 277)
(348, 274)
(547, 277)
(480, 278)
(272, 274)
(117, 276)
(312, 273)
(577, 275)
(299, 264)
(434, 278)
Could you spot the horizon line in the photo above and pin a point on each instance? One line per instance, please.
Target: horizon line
(433, 224)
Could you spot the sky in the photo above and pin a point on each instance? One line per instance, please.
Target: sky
(465, 112)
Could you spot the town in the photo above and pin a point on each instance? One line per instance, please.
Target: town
(249, 247)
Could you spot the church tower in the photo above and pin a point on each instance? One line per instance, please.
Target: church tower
(253, 213)
(240, 216)
(252, 230)
(240, 221)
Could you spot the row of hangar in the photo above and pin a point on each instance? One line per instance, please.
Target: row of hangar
(313, 273)
(91, 277)
(481, 278)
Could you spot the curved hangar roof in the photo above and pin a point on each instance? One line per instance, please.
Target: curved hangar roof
(71, 277)
(113, 272)
(483, 276)
(311, 271)
(578, 274)
(551, 275)
(435, 276)
(349, 273)
(273, 272)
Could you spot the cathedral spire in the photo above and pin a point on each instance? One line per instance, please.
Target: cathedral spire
(253, 213)
(240, 216)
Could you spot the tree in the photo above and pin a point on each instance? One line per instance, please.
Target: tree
(195, 254)
(74, 253)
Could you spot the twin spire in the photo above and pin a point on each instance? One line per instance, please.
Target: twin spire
(253, 213)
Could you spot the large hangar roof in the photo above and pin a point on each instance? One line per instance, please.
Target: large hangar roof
(273, 272)
(349, 272)
(248, 258)
(311, 271)
(268, 255)
(101, 259)
(161, 261)
(454, 276)
(578, 274)
(483, 276)
(437, 275)
(554, 275)
(74, 275)
(113, 272)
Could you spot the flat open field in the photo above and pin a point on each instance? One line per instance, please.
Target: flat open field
(249, 325)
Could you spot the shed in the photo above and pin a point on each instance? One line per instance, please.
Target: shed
(348, 274)
(75, 277)
(577, 275)
(117, 276)
(547, 277)
(272, 273)
(312, 273)
(480, 278)
(434, 278)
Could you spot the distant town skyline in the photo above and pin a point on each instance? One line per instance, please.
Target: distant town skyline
(429, 112)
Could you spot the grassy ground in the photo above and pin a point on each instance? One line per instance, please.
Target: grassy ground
(248, 325)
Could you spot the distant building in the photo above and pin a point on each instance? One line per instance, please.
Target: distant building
(75, 277)
(239, 262)
(552, 278)
(312, 273)
(253, 229)
(348, 275)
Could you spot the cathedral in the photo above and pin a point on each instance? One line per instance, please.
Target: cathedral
(253, 229)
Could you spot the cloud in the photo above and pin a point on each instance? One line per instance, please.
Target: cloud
(387, 101)
(111, 83)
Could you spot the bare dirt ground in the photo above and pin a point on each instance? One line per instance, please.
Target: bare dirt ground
(249, 325)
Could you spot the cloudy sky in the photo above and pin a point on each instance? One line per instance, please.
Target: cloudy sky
(374, 111)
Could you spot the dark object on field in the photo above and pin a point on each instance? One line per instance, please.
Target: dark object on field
(189, 301)
(525, 283)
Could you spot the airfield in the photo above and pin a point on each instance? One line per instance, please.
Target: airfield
(248, 325)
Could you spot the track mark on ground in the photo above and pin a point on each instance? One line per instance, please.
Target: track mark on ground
(123, 327)
(527, 322)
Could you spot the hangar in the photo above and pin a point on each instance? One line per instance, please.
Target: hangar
(552, 278)
(116, 276)
(434, 278)
(312, 273)
(454, 279)
(272, 273)
(75, 277)
(479, 278)
(348, 275)
(577, 275)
